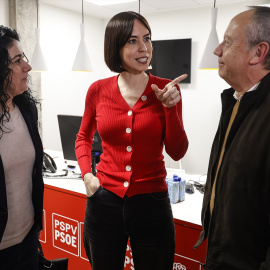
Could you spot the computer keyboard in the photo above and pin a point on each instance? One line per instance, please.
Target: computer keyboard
(63, 177)
(69, 175)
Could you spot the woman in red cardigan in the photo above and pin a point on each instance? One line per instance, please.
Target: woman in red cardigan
(137, 115)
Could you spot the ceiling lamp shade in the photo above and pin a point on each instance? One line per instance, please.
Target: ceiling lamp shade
(209, 60)
(82, 59)
(38, 62)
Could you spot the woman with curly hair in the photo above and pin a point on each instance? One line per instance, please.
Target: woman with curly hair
(21, 156)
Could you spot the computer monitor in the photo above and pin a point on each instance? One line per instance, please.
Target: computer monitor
(69, 126)
(172, 53)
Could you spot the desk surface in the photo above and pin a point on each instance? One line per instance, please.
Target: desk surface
(188, 210)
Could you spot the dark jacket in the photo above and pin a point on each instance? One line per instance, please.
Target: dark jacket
(29, 114)
(239, 231)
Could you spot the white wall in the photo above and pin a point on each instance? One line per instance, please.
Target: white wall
(64, 91)
(4, 17)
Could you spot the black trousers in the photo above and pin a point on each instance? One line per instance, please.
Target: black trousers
(145, 219)
(22, 256)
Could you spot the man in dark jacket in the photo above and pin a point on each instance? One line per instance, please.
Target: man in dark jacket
(236, 206)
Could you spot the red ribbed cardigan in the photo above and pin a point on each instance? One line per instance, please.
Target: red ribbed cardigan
(132, 139)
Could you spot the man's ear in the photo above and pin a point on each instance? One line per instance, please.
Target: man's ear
(259, 53)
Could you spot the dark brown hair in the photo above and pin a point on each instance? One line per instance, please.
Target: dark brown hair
(117, 33)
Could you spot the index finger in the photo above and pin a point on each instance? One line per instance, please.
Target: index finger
(178, 79)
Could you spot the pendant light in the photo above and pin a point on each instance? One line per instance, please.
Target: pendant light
(82, 59)
(38, 62)
(209, 60)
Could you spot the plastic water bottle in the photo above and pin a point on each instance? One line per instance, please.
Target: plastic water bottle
(173, 189)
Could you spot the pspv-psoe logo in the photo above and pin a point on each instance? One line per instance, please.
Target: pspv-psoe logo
(65, 234)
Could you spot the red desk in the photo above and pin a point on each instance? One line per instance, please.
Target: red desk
(64, 206)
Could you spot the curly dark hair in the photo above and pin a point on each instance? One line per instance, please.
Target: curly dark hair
(7, 37)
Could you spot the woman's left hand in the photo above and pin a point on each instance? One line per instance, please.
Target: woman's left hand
(169, 95)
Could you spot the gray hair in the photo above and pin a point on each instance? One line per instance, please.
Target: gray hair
(259, 30)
